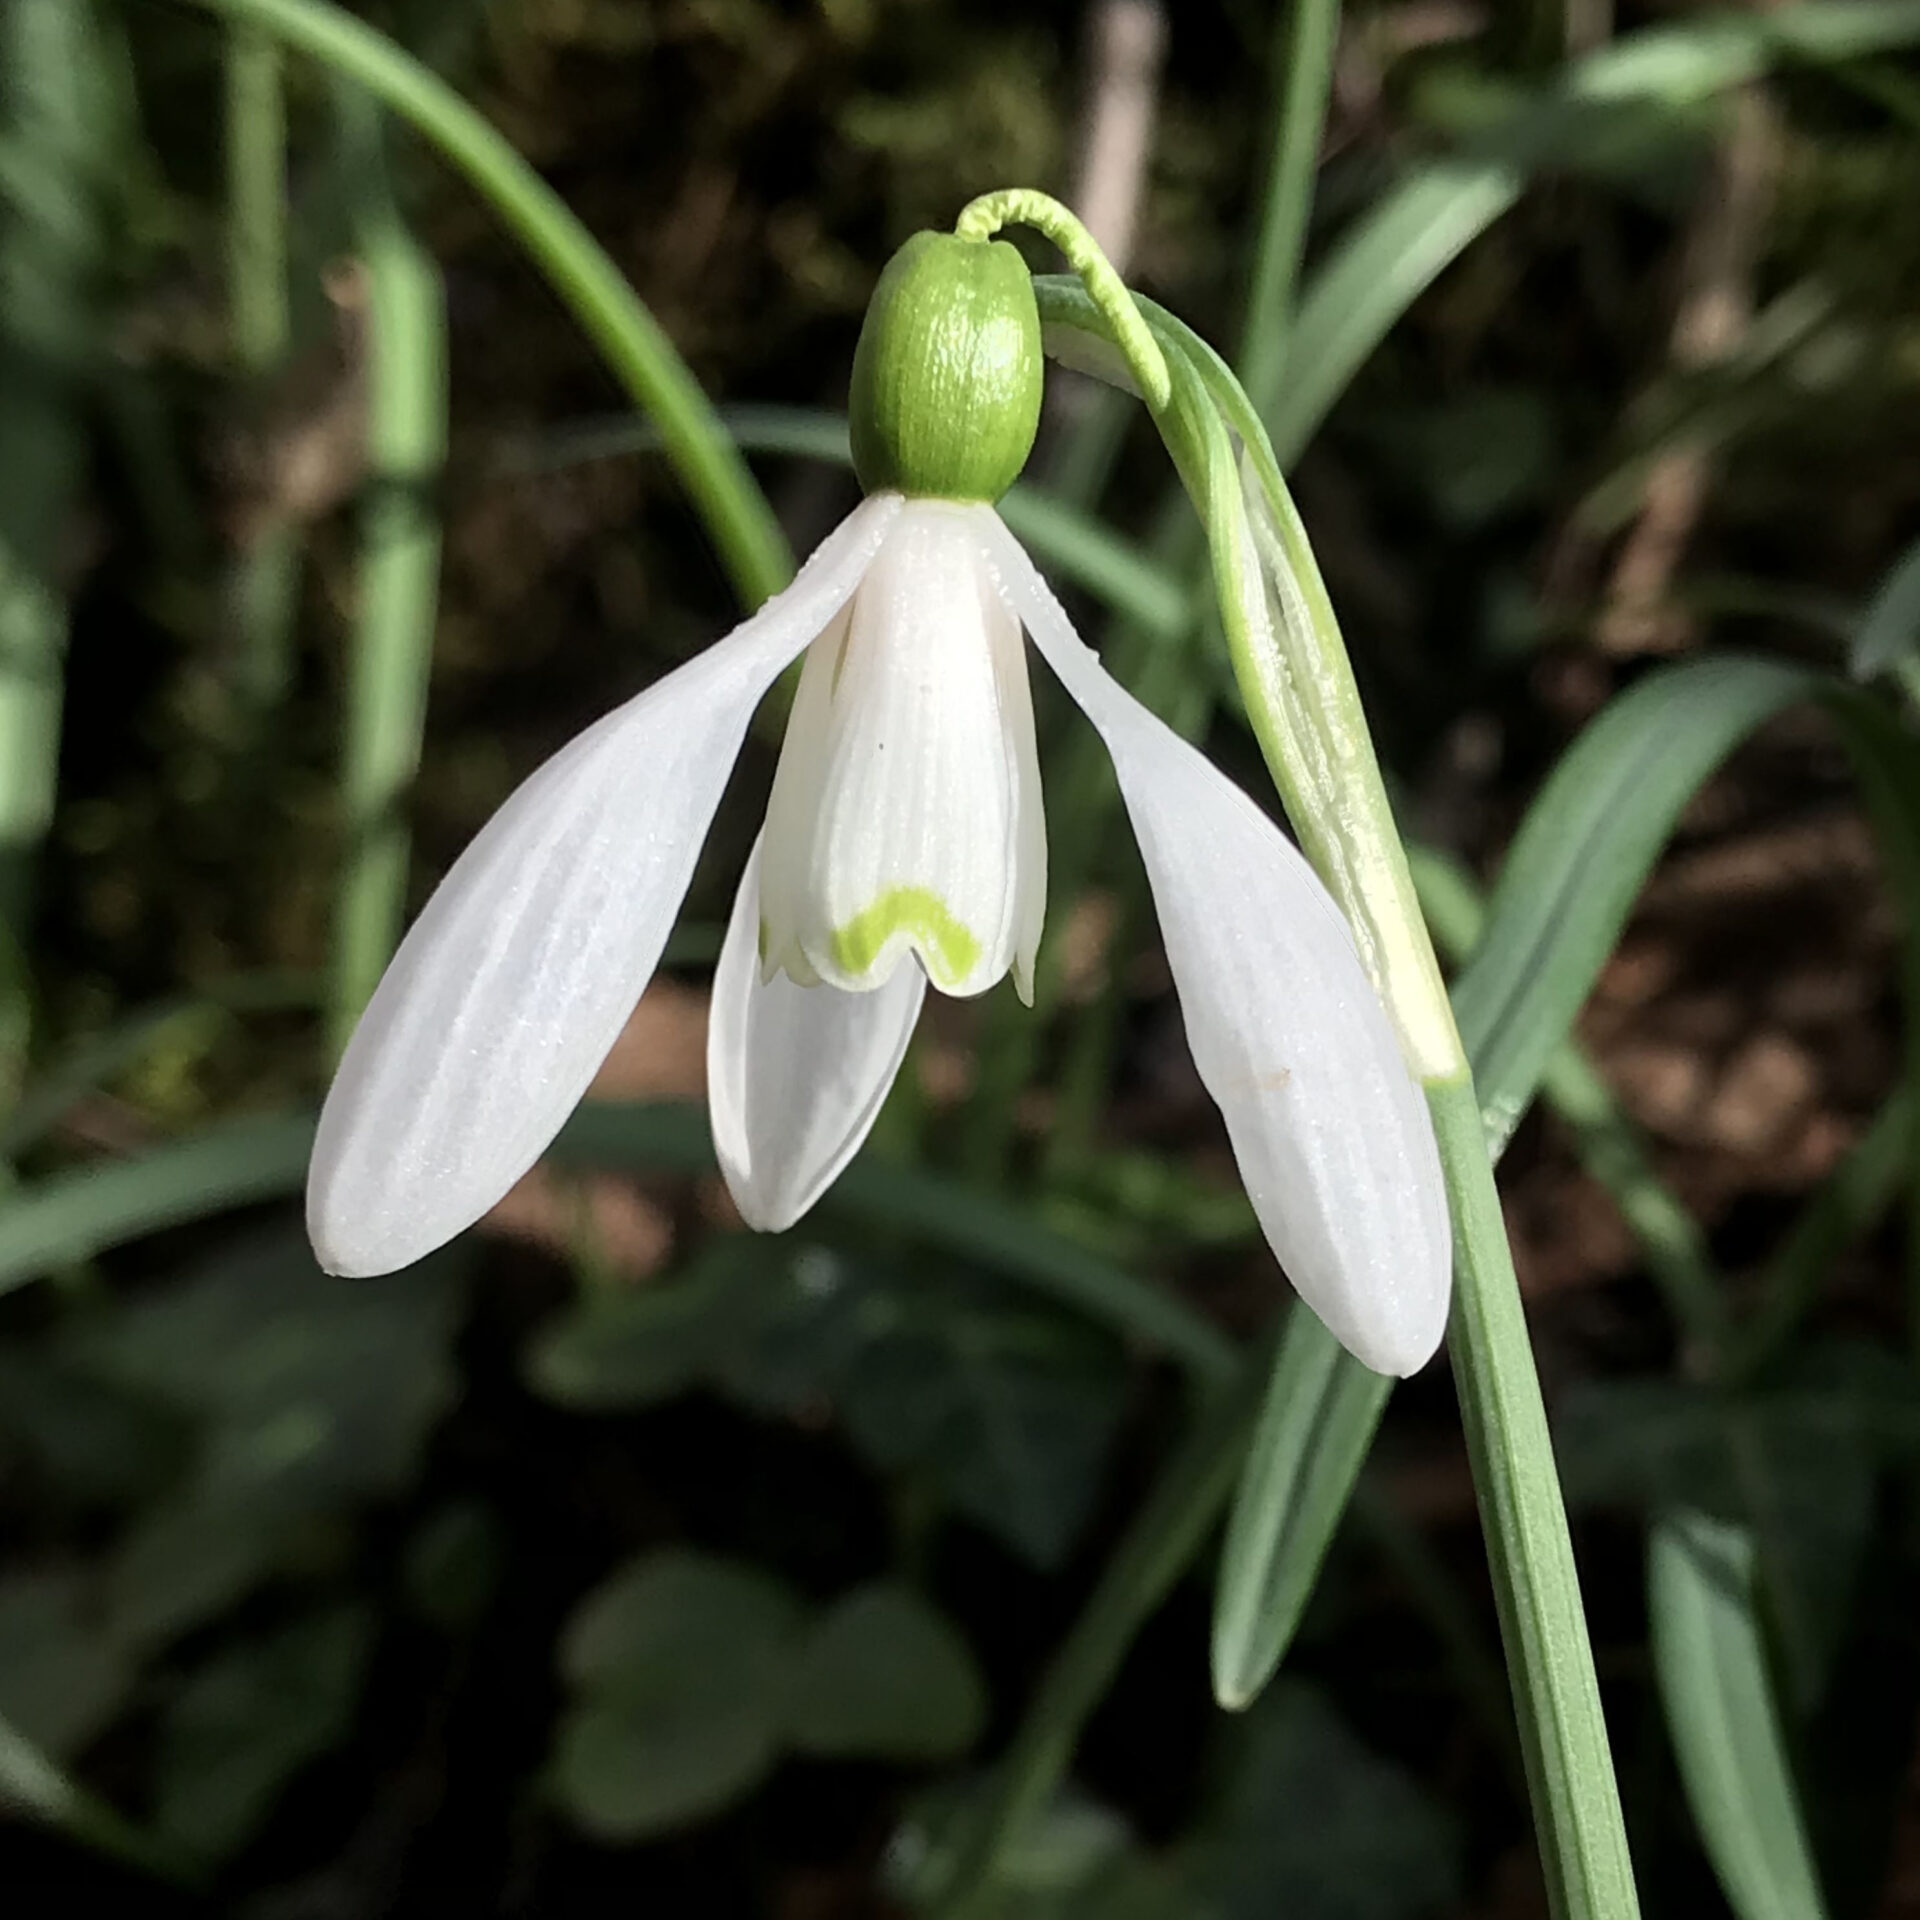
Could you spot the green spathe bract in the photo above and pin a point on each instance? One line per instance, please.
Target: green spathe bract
(947, 375)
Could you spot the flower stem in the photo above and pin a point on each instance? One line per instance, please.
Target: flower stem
(1563, 1734)
(1298, 687)
(981, 219)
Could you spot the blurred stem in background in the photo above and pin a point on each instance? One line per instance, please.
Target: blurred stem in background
(264, 586)
(391, 650)
(52, 113)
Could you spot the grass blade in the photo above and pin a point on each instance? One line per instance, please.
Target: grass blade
(78, 1214)
(1303, 79)
(1889, 630)
(1710, 1660)
(392, 646)
(1888, 769)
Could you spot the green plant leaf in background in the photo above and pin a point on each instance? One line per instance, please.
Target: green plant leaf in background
(63, 1675)
(1582, 853)
(1006, 1404)
(1312, 1822)
(881, 1673)
(678, 1667)
(1710, 1658)
(1889, 630)
(305, 1396)
(1316, 1424)
(248, 1720)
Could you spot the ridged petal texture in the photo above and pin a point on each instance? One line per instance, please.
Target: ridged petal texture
(795, 1075)
(906, 816)
(516, 979)
(1328, 1126)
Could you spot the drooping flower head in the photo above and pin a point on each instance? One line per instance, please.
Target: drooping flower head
(904, 845)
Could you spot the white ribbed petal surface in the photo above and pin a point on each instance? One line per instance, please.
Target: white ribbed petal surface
(795, 1075)
(516, 979)
(1330, 1130)
(906, 815)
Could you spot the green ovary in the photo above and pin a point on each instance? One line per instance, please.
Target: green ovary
(949, 949)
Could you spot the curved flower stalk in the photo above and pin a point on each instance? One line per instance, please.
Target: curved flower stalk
(904, 847)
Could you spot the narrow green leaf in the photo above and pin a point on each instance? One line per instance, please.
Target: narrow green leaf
(1156, 1549)
(391, 648)
(75, 1215)
(1852, 1197)
(1585, 847)
(1316, 1424)
(1582, 854)
(1710, 1659)
(1380, 267)
(1887, 766)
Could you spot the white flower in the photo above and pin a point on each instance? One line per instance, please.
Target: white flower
(904, 843)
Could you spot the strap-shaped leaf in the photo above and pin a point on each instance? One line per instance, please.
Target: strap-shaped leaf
(1584, 851)
(1316, 1425)
(1709, 1655)
(1585, 848)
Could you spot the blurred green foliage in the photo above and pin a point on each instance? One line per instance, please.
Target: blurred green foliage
(719, 1575)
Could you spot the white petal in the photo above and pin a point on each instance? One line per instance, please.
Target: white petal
(905, 815)
(1330, 1129)
(795, 1075)
(516, 979)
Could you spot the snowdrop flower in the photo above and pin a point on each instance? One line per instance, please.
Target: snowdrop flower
(904, 846)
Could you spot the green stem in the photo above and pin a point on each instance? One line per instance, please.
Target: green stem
(1563, 1733)
(1303, 66)
(730, 504)
(392, 646)
(981, 219)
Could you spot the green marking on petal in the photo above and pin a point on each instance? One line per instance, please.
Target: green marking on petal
(950, 950)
